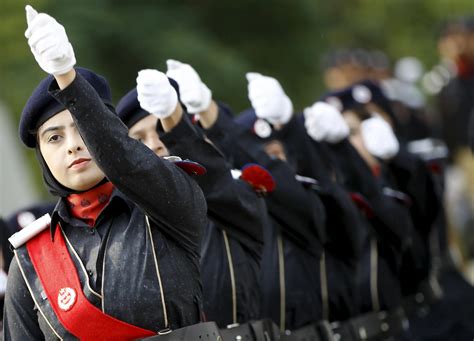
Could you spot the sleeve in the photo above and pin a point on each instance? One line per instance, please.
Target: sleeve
(20, 321)
(309, 160)
(344, 224)
(165, 192)
(391, 220)
(228, 136)
(289, 203)
(413, 178)
(231, 203)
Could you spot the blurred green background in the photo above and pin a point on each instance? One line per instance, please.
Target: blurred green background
(223, 40)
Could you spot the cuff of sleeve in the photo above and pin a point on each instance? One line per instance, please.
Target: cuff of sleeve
(68, 95)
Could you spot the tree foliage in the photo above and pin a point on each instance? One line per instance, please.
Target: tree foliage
(222, 39)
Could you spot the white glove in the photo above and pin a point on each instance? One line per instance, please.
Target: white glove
(155, 93)
(49, 43)
(323, 122)
(379, 138)
(268, 99)
(195, 95)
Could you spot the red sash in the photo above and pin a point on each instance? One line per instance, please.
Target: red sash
(59, 278)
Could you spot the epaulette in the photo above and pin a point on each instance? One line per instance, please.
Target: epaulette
(21, 237)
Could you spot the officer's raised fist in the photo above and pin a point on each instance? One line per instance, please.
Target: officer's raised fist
(195, 95)
(325, 123)
(155, 93)
(268, 99)
(49, 43)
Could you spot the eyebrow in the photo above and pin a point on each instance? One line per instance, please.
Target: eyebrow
(53, 128)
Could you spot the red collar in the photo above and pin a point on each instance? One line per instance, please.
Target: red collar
(88, 205)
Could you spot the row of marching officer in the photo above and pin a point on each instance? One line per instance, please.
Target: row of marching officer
(272, 225)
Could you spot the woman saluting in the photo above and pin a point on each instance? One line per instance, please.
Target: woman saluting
(120, 259)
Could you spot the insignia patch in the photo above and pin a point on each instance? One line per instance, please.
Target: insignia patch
(361, 94)
(66, 298)
(262, 128)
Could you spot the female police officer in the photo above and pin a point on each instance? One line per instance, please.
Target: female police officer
(121, 257)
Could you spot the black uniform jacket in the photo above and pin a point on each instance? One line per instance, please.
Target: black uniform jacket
(116, 260)
(389, 225)
(232, 242)
(346, 227)
(293, 238)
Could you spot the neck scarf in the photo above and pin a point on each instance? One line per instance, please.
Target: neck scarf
(88, 205)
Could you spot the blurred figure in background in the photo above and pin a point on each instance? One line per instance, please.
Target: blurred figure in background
(344, 67)
(455, 103)
(407, 100)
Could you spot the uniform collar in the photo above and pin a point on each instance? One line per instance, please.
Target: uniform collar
(61, 213)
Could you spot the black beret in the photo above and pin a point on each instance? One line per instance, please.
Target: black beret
(129, 109)
(260, 127)
(359, 94)
(341, 99)
(41, 105)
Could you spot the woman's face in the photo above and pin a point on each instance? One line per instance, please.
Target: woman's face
(66, 155)
(145, 132)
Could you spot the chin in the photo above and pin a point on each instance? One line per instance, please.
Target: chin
(84, 183)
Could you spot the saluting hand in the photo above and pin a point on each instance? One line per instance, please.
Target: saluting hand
(268, 99)
(49, 43)
(325, 123)
(379, 138)
(194, 94)
(155, 93)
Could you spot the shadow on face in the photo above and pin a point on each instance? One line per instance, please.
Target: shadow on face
(145, 131)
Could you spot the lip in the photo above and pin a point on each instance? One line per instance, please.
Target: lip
(79, 163)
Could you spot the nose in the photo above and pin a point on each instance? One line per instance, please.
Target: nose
(75, 144)
(158, 147)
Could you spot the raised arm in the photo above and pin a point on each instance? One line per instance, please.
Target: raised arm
(231, 202)
(163, 191)
(288, 203)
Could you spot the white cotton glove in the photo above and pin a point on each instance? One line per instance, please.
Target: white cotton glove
(268, 99)
(49, 43)
(155, 93)
(379, 138)
(194, 94)
(325, 123)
